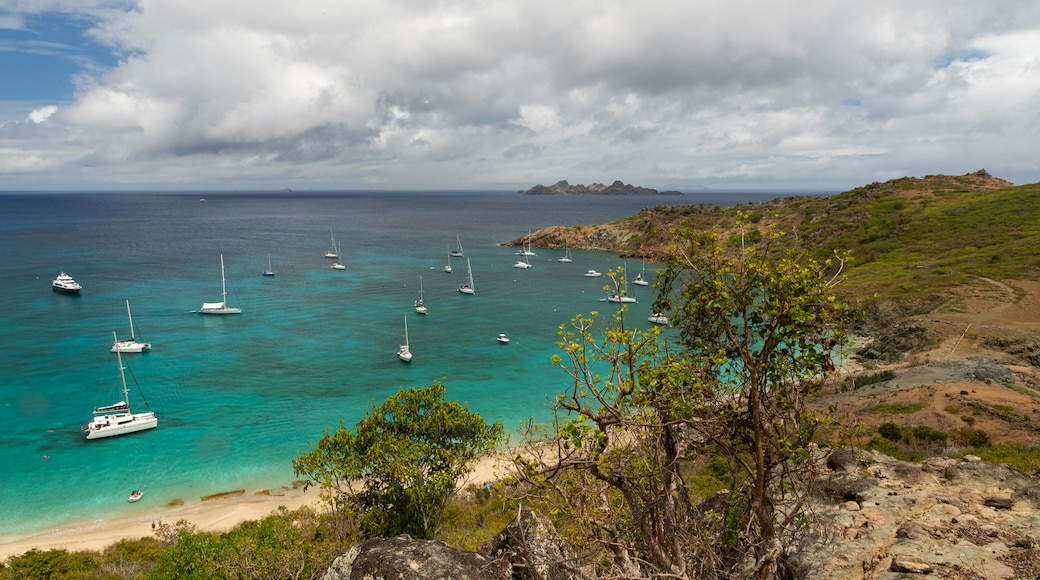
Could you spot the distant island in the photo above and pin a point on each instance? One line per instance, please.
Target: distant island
(616, 188)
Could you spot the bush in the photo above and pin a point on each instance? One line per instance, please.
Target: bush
(890, 431)
(926, 433)
(864, 380)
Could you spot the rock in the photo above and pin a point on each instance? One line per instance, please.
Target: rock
(910, 565)
(1004, 503)
(403, 558)
(534, 550)
(616, 188)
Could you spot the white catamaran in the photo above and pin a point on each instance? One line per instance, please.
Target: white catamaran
(118, 419)
(130, 345)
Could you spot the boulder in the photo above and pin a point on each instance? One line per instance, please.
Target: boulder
(402, 558)
(534, 550)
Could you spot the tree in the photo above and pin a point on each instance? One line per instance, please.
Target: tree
(403, 464)
(754, 328)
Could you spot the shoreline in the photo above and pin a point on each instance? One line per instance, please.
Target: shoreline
(219, 513)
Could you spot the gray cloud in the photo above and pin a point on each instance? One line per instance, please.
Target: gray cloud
(461, 93)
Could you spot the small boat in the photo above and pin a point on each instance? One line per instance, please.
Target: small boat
(65, 284)
(566, 259)
(658, 318)
(420, 305)
(526, 250)
(592, 274)
(502, 338)
(458, 251)
(337, 264)
(404, 353)
(524, 264)
(135, 496)
(333, 251)
(130, 345)
(117, 418)
(468, 288)
(616, 297)
(219, 307)
(640, 279)
(269, 271)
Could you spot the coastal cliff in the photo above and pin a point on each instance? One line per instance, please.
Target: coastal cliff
(616, 188)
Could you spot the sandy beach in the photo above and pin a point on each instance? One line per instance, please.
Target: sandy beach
(213, 515)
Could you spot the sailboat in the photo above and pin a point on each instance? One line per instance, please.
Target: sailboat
(420, 306)
(468, 288)
(219, 307)
(526, 250)
(337, 265)
(640, 280)
(566, 259)
(130, 345)
(458, 252)
(404, 353)
(118, 419)
(448, 267)
(620, 295)
(269, 271)
(333, 251)
(525, 263)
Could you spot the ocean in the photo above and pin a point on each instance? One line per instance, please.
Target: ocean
(239, 396)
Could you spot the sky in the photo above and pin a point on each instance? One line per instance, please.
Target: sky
(507, 94)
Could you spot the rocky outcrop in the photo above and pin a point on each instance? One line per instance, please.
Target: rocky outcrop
(616, 188)
(529, 548)
(963, 518)
(534, 549)
(403, 558)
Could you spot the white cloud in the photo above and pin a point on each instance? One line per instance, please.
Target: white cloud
(497, 93)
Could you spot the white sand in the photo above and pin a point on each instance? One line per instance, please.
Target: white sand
(211, 516)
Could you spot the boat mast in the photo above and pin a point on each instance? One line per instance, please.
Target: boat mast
(223, 286)
(130, 316)
(122, 376)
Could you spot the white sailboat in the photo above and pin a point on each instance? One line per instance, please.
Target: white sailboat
(448, 267)
(130, 345)
(420, 304)
(337, 265)
(118, 419)
(640, 277)
(526, 249)
(457, 252)
(269, 271)
(333, 251)
(619, 295)
(525, 263)
(404, 353)
(219, 307)
(566, 259)
(468, 288)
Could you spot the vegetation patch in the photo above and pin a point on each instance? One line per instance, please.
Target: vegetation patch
(893, 409)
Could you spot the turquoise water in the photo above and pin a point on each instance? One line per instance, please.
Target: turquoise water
(239, 396)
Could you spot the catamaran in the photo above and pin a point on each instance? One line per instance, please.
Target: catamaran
(118, 419)
(130, 345)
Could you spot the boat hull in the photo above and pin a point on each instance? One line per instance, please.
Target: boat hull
(220, 311)
(131, 346)
(124, 424)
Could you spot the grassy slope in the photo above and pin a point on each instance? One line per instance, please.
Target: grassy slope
(911, 238)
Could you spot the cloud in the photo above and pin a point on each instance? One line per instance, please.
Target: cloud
(497, 93)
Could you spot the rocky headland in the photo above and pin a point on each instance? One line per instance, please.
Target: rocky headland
(616, 188)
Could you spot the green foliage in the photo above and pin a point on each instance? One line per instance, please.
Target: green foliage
(972, 437)
(405, 460)
(890, 431)
(56, 564)
(477, 518)
(879, 377)
(926, 433)
(1017, 455)
(894, 408)
(893, 449)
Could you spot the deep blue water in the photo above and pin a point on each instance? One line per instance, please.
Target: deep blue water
(239, 396)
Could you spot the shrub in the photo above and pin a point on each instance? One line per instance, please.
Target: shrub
(890, 431)
(880, 377)
(926, 433)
